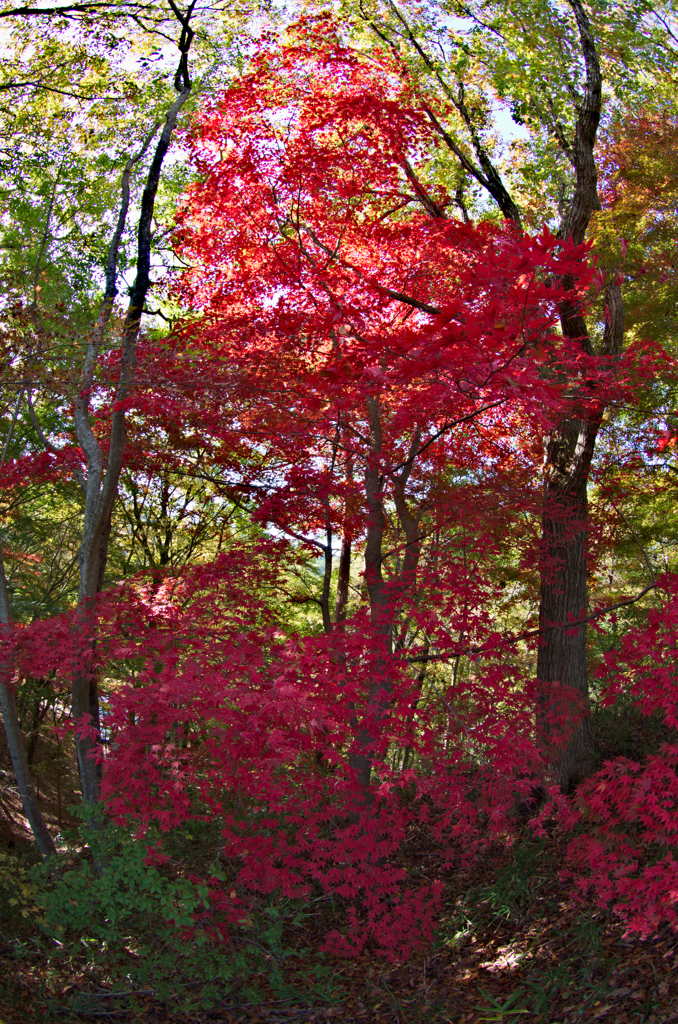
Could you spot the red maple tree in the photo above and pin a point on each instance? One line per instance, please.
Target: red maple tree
(385, 373)
(369, 374)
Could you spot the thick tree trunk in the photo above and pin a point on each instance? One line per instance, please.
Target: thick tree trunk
(563, 720)
(562, 656)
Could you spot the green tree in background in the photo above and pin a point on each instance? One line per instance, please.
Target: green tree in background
(87, 132)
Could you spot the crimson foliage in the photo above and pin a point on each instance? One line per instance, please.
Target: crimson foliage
(363, 368)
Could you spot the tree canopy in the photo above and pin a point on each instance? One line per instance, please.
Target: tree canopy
(338, 444)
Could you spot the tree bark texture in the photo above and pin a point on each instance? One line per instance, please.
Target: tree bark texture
(361, 759)
(563, 721)
(343, 577)
(561, 662)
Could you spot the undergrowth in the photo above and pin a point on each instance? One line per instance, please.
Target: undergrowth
(141, 928)
(512, 943)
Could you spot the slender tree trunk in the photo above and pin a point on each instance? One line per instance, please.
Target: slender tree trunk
(15, 742)
(102, 476)
(10, 716)
(344, 576)
(385, 599)
(344, 571)
(361, 759)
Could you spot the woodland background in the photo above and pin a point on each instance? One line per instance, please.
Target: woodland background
(337, 550)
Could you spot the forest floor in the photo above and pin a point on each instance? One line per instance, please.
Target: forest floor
(512, 946)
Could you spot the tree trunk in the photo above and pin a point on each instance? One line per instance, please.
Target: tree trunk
(102, 480)
(563, 721)
(343, 577)
(385, 600)
(15, 741)
(361, 759)
(563, 716)
(562, 655)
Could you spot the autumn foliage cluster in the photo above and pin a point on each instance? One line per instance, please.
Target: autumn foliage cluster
(374, 375)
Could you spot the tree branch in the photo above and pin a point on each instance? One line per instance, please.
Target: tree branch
(528, 634)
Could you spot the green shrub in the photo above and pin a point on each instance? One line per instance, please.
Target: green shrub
(145, 927)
